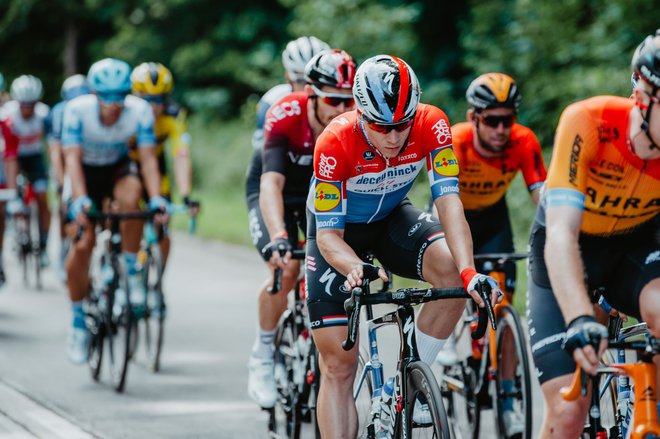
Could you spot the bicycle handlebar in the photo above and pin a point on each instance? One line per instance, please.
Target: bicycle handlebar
(410, 296)
(277, 274)
(114, 216)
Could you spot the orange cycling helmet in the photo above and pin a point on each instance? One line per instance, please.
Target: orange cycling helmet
(493, 90)
(151, 78)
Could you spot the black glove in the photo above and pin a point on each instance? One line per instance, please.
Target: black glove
(370, 271)
(281, 245)
(582, 331)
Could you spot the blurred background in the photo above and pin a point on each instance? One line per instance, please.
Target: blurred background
(224, 55)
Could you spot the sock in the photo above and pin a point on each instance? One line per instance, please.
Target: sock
(507, 388)
(78, 315)
(263, 344)
(131, 261)
(428, 347)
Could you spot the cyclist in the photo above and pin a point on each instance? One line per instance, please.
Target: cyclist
(599, 210)
(291, 128)
(365, 162)
(491, 148)
(95, 137)
(3, 183)
(73, 86)
(24, 147)
(153, 82)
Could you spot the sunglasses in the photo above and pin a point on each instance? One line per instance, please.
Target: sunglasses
(334, 99)
(384, 129)
(495, 121)
(154, 99)
(112, 98)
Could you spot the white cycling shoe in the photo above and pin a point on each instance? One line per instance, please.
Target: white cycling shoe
(513, 424)
(261, 381)
(77, 345)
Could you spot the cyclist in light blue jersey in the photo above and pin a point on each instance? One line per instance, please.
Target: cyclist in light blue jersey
(95, 138)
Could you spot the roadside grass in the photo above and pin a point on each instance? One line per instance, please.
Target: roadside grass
(221, 151)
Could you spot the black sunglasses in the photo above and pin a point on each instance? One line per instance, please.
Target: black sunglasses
(495, 121)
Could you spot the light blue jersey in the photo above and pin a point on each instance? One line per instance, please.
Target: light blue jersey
(105, 145)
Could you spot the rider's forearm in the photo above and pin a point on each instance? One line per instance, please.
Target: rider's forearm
(271, 203)
(183, 174)
(565, 269)
(73, 167)
(457, 230)
(11, 171)
(150, 171)
(57, 162)
(336, 251)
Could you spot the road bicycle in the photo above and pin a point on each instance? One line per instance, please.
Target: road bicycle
(414, 382)
(25, 226)
(108, 312)
(296, 363)
(478, 382)
(151, 267)
(619, 410)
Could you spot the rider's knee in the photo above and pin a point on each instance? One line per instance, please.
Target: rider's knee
(649, 306)
(337, 369)
(566, 418)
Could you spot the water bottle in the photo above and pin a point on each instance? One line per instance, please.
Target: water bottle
(384, 423)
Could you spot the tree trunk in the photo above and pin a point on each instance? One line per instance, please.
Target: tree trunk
(70, 52)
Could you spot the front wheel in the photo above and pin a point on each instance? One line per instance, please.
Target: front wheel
(154, 321)
(118, 331)
(512, 383)
(423, 393)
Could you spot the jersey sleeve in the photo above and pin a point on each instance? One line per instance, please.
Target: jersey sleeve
(145, 128)
(532, 166)
(567, 177)
(441, 161)
(11, 141)
(276, 139)
(329, 182)
(71, 128)
(179, 136)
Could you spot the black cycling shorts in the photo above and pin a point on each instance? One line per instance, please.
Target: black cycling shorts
(397, 241)
(101, 180)
(623, 265)
(294, 220)
(34, 168)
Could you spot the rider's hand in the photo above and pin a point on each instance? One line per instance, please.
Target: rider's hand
(192, 205)
(77, 208)
(359, 272)
(159, 205)
(471, 279)
(586, 339)
(278, 251)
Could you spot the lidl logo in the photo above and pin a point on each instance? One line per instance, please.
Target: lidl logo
(326, 197)
(445, 163)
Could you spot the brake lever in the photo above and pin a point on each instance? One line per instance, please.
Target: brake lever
(352, 308)
(483, 288)
(277, 274)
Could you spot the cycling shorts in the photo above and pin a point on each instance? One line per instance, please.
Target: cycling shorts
(623, 265)
(34, 168)
(101, 180)
(398, 241)
(294, 220)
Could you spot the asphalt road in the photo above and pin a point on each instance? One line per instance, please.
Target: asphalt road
(201, 389)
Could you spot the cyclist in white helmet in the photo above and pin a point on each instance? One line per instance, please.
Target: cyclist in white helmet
(294, 58)
(25, 144)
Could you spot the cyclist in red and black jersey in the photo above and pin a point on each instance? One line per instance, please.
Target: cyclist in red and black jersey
(365, 163)
(291, 127)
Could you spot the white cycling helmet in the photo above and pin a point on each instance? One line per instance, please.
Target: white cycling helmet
(26, 88)
(297, 54)
(74, 86)
(386, 90)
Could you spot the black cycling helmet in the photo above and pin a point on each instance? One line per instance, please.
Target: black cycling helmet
(335, 68)
(493, 90)
(646, 60)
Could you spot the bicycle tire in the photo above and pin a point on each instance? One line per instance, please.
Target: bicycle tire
(314, 389)
(285, 416)
(422, 387)
(119, 328)
(154, 320)
(510, 321)
(363, 398)
(462, 404)
(94, 323)
(610, 418)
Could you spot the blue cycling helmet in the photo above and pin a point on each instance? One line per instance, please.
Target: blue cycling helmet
(110, 76)
(74, 86)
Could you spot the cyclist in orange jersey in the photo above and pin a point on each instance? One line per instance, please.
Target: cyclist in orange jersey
(598, 221)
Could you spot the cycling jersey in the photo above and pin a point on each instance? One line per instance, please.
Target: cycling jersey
(253, 173)
(289, 145)
(354, 183)
(485, 180)
(105, 145)
(55, 121)
(24, 137)
(594, 169)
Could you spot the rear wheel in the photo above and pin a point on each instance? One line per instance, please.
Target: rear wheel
(314, 389)
(286, 415)
(463, 405)
(363, 389)
(422, 389)
(96, 327)
(518, 391)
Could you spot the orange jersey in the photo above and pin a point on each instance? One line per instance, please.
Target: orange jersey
(593, 168)
(484, 181)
